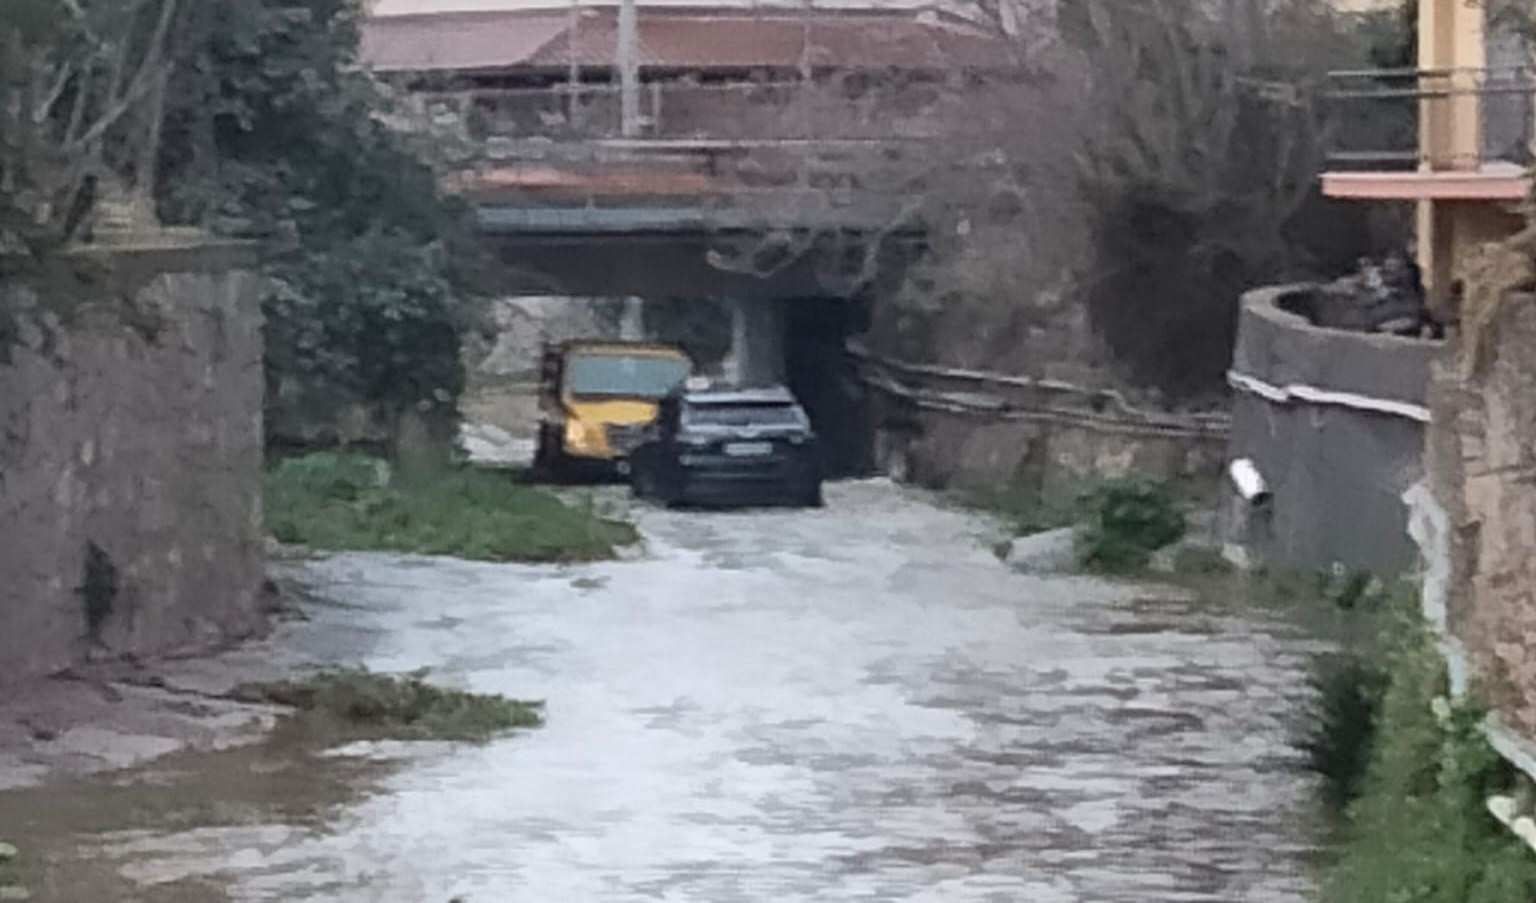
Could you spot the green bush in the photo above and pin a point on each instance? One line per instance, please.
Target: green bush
(1420, 832)
(335, 502)
(1342, 724)
(399, 708)
(1124, 522)
(9, 874)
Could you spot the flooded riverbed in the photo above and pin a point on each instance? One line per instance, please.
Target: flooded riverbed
(859, 703)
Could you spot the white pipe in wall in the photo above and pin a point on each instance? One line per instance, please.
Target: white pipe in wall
(1249, 481)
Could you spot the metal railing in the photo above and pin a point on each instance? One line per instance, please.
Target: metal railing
(844, 155)
(684, 111)
(1437, 119)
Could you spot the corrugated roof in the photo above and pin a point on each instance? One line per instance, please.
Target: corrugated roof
(680, 38)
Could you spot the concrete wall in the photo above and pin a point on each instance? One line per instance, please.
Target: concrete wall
(130, 454)
(757, 343)
(1335, 421)
(1482, 466)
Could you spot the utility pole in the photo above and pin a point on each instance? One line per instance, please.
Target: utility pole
(573, 76)
(629, 70)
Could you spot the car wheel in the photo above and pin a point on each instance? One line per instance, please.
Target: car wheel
(812, 496)
(641, 484)
(547, 458)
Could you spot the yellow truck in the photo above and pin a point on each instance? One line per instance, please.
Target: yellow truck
(596, 400)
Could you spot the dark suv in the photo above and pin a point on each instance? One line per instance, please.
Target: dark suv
(729, 446)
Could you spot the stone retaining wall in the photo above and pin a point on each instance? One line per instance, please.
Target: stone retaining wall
(1041, 441)
(130, 453)
(1482, 465)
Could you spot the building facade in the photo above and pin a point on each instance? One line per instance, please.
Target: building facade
(1462, 120)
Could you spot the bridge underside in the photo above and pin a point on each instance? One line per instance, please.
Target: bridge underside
(646, 266)
(680, 265)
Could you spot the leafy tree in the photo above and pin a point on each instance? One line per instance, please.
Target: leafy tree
(274, 131)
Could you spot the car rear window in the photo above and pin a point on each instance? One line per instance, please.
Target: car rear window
(743, 415)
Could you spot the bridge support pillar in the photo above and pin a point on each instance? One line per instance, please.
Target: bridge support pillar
(757, 343)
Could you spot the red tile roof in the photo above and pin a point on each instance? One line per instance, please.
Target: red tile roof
(680, 38)
(631, 181)
(457, 41)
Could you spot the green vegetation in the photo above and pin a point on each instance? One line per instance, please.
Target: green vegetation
(368, 259)
(334, 501)
(1124, 522)
(11, 885)
(1342, 725)
(1419, 830)
(253, 119)
(382, 706)
(1118, 523)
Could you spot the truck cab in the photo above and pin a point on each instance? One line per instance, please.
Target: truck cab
(597, 398)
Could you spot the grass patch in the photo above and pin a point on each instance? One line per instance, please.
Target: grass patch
(1123, 522)
(1420, 832)
(349, 502)
(1342, 724)
(382, 706)
(12, 887)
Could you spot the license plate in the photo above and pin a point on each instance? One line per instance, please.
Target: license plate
(748, 449)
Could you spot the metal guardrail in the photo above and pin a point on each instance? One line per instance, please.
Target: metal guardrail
(1408, 119)
(693, 112)
(1009, 397)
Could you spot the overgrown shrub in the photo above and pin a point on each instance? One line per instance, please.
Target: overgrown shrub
(275, 131)
(1342, 724)
(1368, 618)
(337, 501)
(10, 874)
(1420, 831)
(1124, 522)
(1202, 157)
(401, 708)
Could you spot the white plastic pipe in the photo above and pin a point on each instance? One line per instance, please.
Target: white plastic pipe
(1249, 482)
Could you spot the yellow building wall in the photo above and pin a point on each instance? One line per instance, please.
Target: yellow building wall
(1449, 231)
(1452, 47)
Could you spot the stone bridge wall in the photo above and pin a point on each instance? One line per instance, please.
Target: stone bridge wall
(1482, 469)
(950, 428)
(1334, 419)
(130, 454)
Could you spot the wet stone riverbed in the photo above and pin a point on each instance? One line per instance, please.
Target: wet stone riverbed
(858, 703)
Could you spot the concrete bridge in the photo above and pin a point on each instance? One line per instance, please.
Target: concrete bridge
(766, 159)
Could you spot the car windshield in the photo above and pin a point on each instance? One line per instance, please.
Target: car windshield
(773, 414)
(616, 376)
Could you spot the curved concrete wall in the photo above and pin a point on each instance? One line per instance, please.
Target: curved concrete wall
(1335, 421)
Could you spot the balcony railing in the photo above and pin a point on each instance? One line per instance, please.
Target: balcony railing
(1400, 120)
(778, 153)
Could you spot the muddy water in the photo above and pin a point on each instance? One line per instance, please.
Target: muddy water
(851, 704)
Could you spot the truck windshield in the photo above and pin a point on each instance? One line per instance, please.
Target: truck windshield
(743, 415)
(615, 376)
